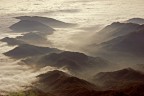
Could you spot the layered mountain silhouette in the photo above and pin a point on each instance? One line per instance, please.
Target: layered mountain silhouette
(28, 38)
(12, 41)
(74, 61)
(26, 50)
(116, 40)
(47, 21)
(133, 43)
(136, 21)
(58, 83)
(119, 42)
(115, 30)
(62, 84)
(31, 26)
(119, 79)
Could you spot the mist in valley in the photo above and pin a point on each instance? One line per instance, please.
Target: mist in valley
(71, 48)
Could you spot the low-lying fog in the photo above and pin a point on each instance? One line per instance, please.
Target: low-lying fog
(90, 15)
(15, 76)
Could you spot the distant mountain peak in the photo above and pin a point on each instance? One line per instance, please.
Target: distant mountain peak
(47, 21)
(31, 26)
(127, 74)
(12, 41)
(27, 50)
(56, 73)
(136, 21)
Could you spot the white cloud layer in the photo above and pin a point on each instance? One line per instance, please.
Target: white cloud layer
(86, 13)
(15, 77)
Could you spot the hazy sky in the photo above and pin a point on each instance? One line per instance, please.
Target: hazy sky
(77, 10)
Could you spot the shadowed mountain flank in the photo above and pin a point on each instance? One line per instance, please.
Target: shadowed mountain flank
(132, 43)
(75, 62)
(27, 50)
(119, 79)
(47, 21)
(34, 38)
(31, 26)
(119, 42)
(116, 29)
(136, 21)
(62, 84)
(12, 41)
